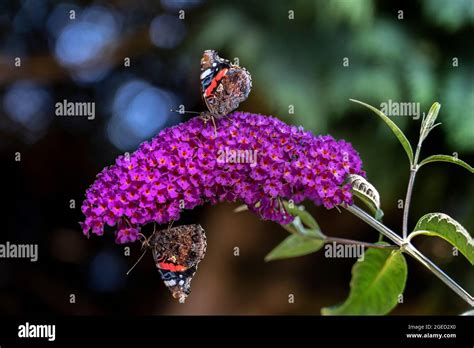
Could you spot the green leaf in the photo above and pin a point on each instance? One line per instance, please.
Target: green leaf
(290, 228)
(296, 226)
(446, 158)
(428, 122)
(306, 232)
(443, 226)
(293, 246)
(376, 284)
(299, 210)
(398, 133)
(367, 193)
(379, 215)
(433, 114)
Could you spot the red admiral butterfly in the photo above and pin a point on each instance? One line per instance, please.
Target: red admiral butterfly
(223, 85)
(177, 252)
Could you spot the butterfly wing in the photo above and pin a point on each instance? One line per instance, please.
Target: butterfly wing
(237, 85)
(177, 252)
(213, 71)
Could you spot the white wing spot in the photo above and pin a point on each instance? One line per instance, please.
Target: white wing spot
(205, 73)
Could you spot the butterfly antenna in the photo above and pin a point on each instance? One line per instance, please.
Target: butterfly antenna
(136, 263)
(185, 112)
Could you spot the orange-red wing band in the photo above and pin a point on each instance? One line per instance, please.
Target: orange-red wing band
(215, 81)
(171, 267)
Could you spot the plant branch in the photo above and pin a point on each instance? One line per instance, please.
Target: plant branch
(301, 231)
(366, 244)
(411, 182)
(417, 255)
(406, 206)
(374, 223)
(408, 248)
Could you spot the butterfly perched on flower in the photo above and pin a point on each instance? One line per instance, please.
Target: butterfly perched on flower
(177, 252)
(223, 85)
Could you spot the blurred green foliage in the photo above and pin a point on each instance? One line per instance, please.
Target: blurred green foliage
(300, 62)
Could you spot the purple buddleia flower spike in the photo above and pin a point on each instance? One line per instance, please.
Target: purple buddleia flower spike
(255, 159)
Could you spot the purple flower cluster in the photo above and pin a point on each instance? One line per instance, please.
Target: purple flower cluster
(256, 159)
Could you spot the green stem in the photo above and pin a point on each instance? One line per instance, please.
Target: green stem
(368, 245)
(301, 231)
(406, 207)
(408, 248)
(411, 182)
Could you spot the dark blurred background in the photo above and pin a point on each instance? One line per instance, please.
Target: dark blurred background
(296, 62)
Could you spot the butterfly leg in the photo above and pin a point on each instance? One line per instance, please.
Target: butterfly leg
(206, 116)
(214, 123)
(144, 240)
